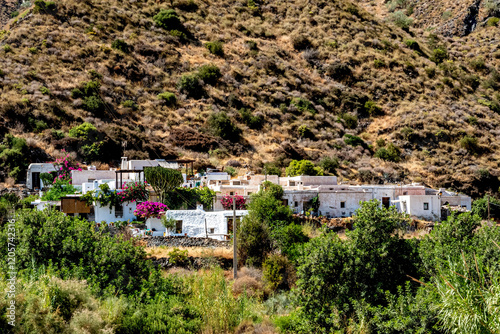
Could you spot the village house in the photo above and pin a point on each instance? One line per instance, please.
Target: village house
(197, 223)
(33, 181)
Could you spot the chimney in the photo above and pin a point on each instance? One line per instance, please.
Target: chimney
(124, 164)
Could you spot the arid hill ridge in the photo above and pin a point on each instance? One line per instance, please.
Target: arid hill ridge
(293, 81)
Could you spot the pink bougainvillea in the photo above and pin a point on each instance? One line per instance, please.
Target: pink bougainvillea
(150, 210)
(227, 202)
(133, 191)
(64, 166)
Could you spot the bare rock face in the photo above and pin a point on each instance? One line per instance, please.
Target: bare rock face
(7, 7)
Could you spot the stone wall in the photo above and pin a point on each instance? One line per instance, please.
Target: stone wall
(174, 241)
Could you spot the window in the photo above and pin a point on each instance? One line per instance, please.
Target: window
(118, 211)
(426, 206)
(178, 226)
(249, 193)
(342, 204)
(236, 183)
(231, 193)
(292, 183)
(211, 230)
(296, 204)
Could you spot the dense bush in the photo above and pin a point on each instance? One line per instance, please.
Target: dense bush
(469, 143)
(121, 45)
(210, 74)
(253, 122)
(191, 85)
(168, 98)
(439, 55)
(14, 156)
(168, 20)
(303, 167)
(43, 7)
(303, 105)
(353, 140)
(215, 48)
(84, 131)
(373, 109)
(391, 153)
(401, 20)
(220, 125)
(329, 165)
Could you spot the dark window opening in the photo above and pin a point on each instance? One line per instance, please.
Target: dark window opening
(118, 211)
(178, 226)
(342, 204)
(426, 206)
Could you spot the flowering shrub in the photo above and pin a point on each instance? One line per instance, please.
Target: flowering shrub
(150, 209)
(227, 202)
(133, 191)
(64, 166)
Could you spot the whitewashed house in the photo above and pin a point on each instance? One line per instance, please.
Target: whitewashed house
(33, 181)
(198, 223)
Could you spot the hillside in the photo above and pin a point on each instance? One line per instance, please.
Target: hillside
(444, 17)
(282, 81)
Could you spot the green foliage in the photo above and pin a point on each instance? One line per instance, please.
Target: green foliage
(176, 256)
(332, 273)
(74, 249)
(210, 74)
(373, 109)
(130, 104)
(220, 125)
(391, 153)
(350, 120)
(470, 144)
(14, 14)
(304, 132)
(276, 271)
(44, 90)
(168, 223)
(266, 214)
(85, 131)
(121, 45)
(215, 48)
(493, 21)
(43, 7)
(168, 98)
(93, 104)
(191, 85)
(353, 140)
(478, 64)
(231, 171)
(329, 164)
(59, 189)
(303, 105)
(47, 178)
(7, 48)
(412, 44)
(91, 152)
(253, 122)
(480, 206)
(168, 20)
(163, 180)
(289, 239)
(378, 63)
(33, 50)
(303, 167)
(13, 156)
(400, 19)
(272, 169)
(439, 55)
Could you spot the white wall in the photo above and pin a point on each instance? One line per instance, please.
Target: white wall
(37, 168)
(331, 202)
(108, 215)
(193, 222)
(82, 176)
(414, 206)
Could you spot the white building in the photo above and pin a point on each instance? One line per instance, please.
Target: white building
(79, 177)
(33, 180)
(198, 223)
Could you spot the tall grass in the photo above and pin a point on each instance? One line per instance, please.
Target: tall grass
(213, 297)
(469, 297)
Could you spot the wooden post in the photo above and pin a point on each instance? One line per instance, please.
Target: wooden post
(235, 260)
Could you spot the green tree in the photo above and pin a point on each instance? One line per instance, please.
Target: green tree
(222, 126)
(163, 180)
(168, 20)
(84, 131)
(13, 156)
(303, 167)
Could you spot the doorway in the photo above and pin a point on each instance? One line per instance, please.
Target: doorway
(386, 201)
